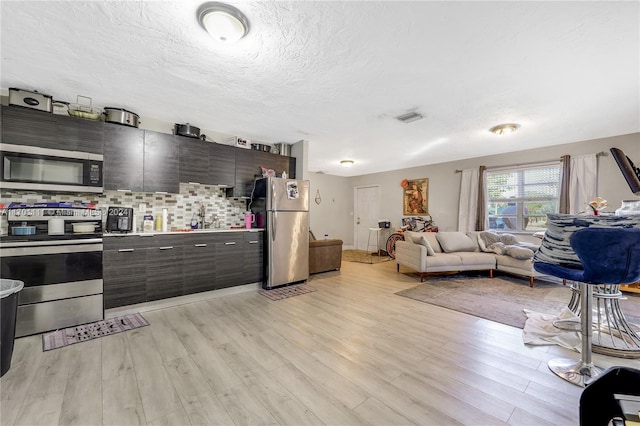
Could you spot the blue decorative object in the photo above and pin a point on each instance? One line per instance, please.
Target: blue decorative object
(556, 248)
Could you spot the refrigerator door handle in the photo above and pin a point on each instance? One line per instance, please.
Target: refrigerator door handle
(273, 195)
(273, 226)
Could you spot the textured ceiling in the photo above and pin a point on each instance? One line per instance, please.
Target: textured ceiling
(336, 73)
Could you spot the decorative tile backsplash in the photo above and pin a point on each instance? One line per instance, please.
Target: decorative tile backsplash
(181, 207)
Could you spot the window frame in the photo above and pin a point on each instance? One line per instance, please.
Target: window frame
(520, 201)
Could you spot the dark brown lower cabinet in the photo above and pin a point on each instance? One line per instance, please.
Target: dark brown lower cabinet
(124, 276)
(229, 259)
(253, 255)
(142, 269)
(198, 265)
(164, 269)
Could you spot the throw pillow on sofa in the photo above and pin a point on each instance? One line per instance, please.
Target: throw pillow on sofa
(414, 237)
(455, 241)
(423, 242)
(518, 252)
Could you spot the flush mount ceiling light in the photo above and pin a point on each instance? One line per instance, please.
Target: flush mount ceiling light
(504, 129)
(223, 22)
(409, 117)
(346, 163)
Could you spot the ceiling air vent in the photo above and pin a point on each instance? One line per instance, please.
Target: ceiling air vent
(409, 117)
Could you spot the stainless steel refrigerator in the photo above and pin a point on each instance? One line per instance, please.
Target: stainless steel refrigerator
(285, 206)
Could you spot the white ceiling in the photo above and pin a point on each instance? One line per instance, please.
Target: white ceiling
(337, 72)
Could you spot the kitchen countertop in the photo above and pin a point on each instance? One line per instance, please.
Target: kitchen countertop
(199, 231)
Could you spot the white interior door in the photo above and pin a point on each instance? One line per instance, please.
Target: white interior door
(367, 213)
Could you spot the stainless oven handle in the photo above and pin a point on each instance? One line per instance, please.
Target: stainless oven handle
(7, 245)
(34, 251)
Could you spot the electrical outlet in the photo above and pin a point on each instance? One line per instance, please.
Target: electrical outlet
(142, 207)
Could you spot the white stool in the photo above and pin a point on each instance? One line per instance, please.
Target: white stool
(377, 233)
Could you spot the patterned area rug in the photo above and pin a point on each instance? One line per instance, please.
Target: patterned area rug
(502, 299)
(69, 336)
(286, 292)
(363, 256)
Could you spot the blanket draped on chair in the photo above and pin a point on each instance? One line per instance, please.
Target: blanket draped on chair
(507, 244)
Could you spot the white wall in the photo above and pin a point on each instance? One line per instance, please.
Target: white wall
(334, 214)
(336, 217)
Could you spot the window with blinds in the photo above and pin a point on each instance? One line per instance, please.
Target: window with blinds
(518, 199)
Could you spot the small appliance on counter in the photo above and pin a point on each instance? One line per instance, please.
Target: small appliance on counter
(119, 219)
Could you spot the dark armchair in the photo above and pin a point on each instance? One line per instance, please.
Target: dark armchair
(324, 255)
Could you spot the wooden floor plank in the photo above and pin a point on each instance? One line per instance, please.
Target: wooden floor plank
(82, 402)
(14, 386)
(157, 393)
(350, 353)
(122, 404)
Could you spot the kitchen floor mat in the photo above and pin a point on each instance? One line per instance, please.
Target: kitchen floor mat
(81, 333)
(285, 292)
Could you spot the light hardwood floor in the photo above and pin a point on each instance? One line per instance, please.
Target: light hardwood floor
(350, 353)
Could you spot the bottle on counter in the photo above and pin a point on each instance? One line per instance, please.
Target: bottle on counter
(158, 223)
(165, 220)
(147, 223)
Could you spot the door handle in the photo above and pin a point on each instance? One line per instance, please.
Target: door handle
(273, 226)
(273, 196)
(231, 243)
(199, 245)
(166, 248)
(125, 250)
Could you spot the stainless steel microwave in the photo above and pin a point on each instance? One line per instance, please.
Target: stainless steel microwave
(43, 169)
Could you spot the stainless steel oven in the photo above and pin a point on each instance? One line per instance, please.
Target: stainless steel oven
(44, 169)
(62, 273)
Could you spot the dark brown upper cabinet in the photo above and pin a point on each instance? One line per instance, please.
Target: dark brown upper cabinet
(123, 158)
(24, 126)
(161, 162)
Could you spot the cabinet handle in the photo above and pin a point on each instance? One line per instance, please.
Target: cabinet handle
(253, 242)
(231, 243)
(125, 250)
(166, 248)
(199, 245)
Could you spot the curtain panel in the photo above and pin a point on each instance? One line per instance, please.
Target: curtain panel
(583, 183)
(468, 203)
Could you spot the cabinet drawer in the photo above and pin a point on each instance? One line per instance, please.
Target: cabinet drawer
(156, 241)
(122, 242)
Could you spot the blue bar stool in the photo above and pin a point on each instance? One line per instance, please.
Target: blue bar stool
(608, 256)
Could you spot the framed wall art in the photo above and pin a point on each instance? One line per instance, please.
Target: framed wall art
(415, 199)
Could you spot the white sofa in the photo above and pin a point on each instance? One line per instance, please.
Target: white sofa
(458, 251)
